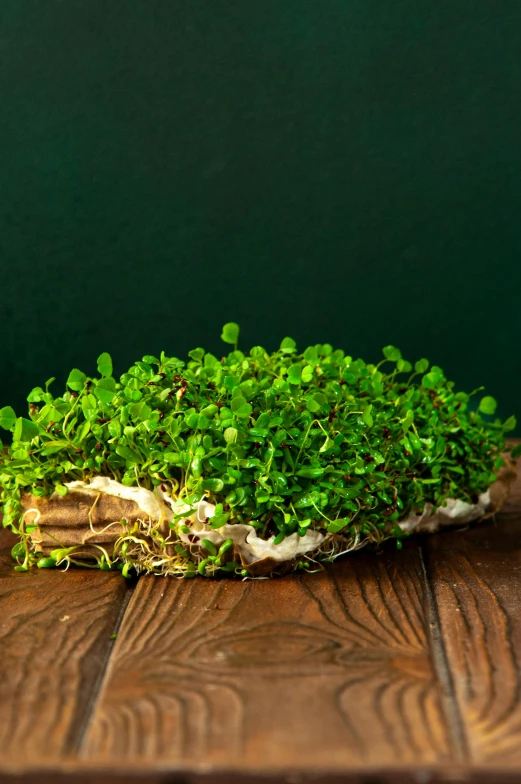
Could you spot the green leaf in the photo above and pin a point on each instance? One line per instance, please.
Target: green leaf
(171, 457)
(288, 346)
(414, 440)
(46, 563)
(61, 490)
(367, 416)
(488, 405)
(307, 499)
(213, 485)
(48, 414)
(240, 407)
(337, 525)
(128, 454)
(105, 391)
(432, 380)
(407, 420)
(61, 552)
(421, 366)
(84, 430)
(25, 430)
(392, 353)
(197, 354)
(310, 354)
(7, 418)
(312, 405)
(407, 444)
(36, 395)
(509, 424)
(230, 435)
(328, 443)
(307, 374)
(18, 551)
(209, 411)
(218, 520)
(315, 402)
(311, 473)
(294, 374)
(76, 380)
(105, 364)
(230, 333)
(52, 447)
(114, 428)
(140, 411)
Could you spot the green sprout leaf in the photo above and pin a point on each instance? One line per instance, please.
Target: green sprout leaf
(367, 416)
(76, 380)
(288, 346)
(230, 435)
(403, 366)
(432, 380)
(46, 563)
(488, 405)
(294, 374)
(128, 454)
(218, 520)
(335, 526)
(213, 485)
(7, 418)
(196, 354)
(241, 408)
(307, 374)
(407, 421)
(36, 395)
(230, 333)
(392, 353)
(105, 364)
(421, 366)
(311, 473)
(25, 430)
(105, 391)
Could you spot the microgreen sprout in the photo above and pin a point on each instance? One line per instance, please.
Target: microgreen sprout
(286, 442)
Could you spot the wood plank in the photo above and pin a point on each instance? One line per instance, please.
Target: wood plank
(55, 631)
(327, 671)
(94, 774)
(7, 541)
(476, 577)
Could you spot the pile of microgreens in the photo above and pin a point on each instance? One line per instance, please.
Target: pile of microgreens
(285, 442)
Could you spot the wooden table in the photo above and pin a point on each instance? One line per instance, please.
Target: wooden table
(401, 667)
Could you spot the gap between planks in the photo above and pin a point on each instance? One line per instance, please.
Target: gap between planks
(443, 672)
(55, 631)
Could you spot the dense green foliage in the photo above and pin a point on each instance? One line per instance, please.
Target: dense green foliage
(283, 441)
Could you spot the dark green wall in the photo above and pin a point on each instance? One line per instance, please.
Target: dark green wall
(336, 170)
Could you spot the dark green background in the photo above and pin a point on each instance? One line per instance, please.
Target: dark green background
(334, 170)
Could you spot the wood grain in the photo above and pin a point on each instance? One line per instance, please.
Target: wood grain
(476, 578)
(328, 670)
(55, 632)
(7, 541)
